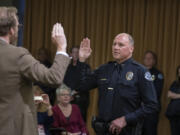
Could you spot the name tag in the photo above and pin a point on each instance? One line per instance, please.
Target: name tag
(109, 88)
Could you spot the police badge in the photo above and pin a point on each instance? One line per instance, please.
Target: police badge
(129, 76)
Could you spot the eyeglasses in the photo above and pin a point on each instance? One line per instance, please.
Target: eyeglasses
(65, 95)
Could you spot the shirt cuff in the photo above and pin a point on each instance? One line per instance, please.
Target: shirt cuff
(63, 53)
(130, 118)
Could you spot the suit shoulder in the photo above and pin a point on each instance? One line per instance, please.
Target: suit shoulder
(23, 50)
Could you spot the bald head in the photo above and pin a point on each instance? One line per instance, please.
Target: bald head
(123, 47)
(127, 37)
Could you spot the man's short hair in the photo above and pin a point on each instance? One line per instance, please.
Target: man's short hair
(7, 19)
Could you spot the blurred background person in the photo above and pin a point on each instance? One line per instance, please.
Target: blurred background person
(151, 122)
(67, 115)
(72, 78)
(44, 111)
(43, 57)
(173, 110)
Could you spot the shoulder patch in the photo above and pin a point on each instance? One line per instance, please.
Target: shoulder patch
(148, 76)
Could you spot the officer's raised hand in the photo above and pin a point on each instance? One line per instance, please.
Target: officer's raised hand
(85, 50)
(117, 125)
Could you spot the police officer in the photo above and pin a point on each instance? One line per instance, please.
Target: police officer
(123, 85)
(151, 122)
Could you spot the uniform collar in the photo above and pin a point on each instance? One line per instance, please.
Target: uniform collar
(124, 63)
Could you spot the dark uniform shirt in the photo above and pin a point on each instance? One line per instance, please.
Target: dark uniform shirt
(158, 81)
(173, 109)
(122, 89)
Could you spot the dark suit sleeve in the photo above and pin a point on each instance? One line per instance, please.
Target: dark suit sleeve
(148, 96)
(31, 69)
(88, 79)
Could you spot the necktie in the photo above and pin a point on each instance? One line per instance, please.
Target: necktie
(108, 100)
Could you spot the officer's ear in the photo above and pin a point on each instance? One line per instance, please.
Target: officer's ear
(131, 48)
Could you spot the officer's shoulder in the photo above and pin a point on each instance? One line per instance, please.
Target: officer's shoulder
(106, 65)
(138, 65)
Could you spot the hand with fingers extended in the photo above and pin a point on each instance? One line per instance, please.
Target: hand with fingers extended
(117, 125)
(58, 37)
(85, 50)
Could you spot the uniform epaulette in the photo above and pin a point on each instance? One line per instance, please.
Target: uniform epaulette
(138, 64)
(105, 65)
(110, 62)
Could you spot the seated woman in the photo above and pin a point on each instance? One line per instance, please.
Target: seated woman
(173, 110)
(44, 111)
(68, 115)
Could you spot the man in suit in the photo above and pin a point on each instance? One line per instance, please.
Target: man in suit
(18, 69)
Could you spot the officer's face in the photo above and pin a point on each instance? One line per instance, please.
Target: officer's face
(121, 48)
(149, 60)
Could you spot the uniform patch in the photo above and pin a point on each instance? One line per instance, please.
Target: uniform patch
(160, 76)
(153, 77)
(148, 76)
(129, 76)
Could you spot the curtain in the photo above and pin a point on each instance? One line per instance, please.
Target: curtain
(154, 25)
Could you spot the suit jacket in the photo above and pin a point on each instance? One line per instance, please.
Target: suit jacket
(18, 69)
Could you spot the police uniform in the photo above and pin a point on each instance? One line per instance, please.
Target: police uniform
(122, 89)
(151, 122)
(173, 110)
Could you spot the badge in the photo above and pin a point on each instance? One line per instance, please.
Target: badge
(109, 88)
(148, 76)
(160, 76)
(153, 77)
(129, 76)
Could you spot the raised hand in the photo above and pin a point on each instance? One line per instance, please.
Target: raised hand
(85, 50)
(58, 37)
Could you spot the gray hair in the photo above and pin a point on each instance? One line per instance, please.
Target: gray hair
(62, 88)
